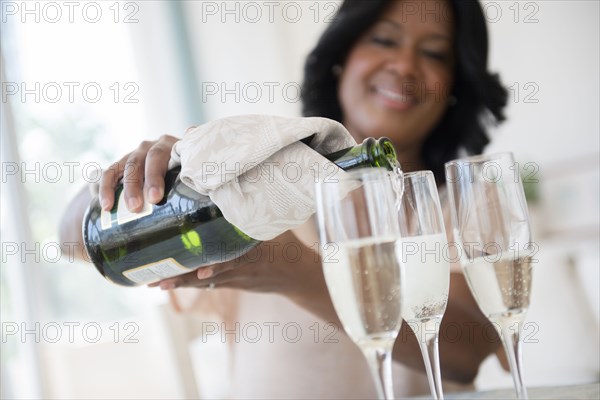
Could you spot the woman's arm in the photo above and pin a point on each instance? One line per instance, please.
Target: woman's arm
(466, 337)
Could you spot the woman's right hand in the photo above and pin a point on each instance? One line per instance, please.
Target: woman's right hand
(143, 172)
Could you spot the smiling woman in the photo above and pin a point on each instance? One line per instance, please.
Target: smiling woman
(416, 71)
(201, 60)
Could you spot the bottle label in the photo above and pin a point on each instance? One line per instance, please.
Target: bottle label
(120, 214)
(156, 271)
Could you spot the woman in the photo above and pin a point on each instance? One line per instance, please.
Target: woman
(415, 72)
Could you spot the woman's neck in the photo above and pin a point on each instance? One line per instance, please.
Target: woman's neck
(409, 157)
(410, 160)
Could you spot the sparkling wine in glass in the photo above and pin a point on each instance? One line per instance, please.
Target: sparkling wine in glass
(361, 243)
(491, 225)
(427, 269)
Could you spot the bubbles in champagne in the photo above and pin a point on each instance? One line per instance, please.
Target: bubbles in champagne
(365, 286)
(501, 287)
(425, 311)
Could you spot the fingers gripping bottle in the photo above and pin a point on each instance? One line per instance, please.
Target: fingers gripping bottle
(186, 230)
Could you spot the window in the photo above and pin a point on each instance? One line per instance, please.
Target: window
(72, 102)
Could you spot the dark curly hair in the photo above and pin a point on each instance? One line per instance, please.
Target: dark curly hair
(480, 95)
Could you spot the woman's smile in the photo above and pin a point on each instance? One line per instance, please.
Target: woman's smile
(395, 97)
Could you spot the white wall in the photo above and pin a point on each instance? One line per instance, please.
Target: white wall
(257, 56)
(559, 56)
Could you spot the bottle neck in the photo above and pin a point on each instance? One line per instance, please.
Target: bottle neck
(370, 153)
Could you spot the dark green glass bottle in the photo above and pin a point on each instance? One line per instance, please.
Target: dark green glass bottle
(186, 230)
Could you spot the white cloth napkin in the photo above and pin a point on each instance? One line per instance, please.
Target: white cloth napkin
(257, 172)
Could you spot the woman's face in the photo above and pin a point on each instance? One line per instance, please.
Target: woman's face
(397, 78)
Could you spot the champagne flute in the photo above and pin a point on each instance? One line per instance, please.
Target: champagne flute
(491, 225)
(360, 237)
(427, 278)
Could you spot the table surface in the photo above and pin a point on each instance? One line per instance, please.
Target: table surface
(589, 391)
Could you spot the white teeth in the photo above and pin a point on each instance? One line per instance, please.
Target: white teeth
(394, 95)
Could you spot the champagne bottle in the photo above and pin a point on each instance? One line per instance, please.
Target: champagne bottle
(186, 230)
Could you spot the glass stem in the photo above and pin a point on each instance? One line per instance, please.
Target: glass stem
(512, 345)
(380, 364)
(428, 341)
